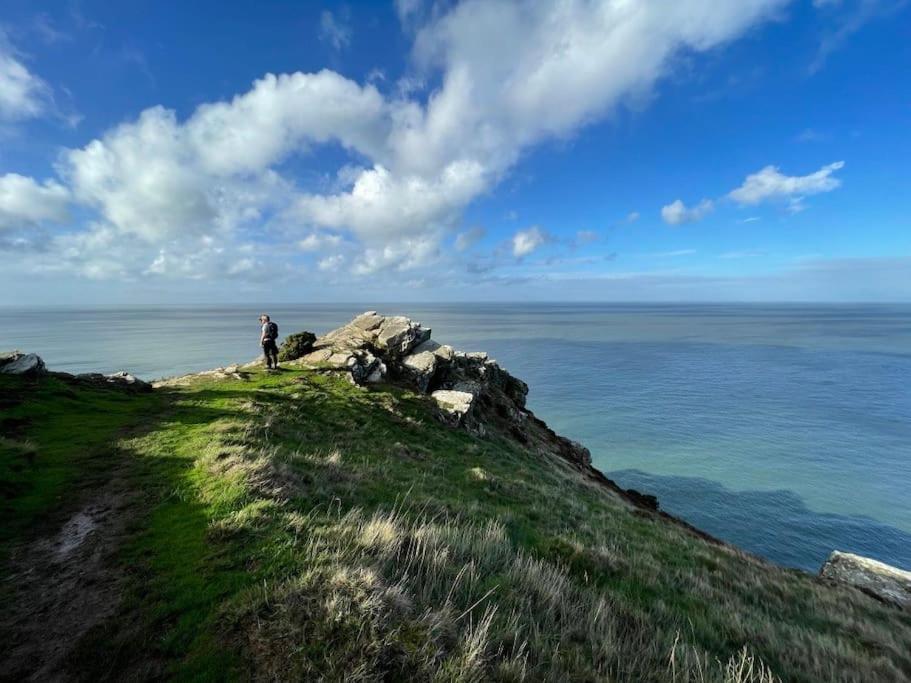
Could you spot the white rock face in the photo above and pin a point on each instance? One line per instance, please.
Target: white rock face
(457, 403)
(18, 363)
(882, 580)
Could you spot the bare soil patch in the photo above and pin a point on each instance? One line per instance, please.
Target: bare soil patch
(63, 584)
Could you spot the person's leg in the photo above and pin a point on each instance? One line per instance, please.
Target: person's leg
(274, 354)
(266, 354)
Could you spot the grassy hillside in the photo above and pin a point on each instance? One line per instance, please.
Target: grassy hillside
(291, 526)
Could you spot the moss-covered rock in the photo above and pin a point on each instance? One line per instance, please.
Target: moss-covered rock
(296, 345)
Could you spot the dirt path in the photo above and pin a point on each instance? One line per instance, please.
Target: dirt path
(62, 585)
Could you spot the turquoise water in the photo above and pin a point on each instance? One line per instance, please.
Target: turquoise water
(785, 429)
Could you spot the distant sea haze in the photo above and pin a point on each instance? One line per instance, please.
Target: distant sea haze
(785, 429)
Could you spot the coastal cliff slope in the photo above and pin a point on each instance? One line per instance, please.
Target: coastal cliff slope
(383, 508)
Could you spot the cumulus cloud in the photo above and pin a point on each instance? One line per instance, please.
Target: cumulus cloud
(770, 183)
(400, 255)
(510, 74)
(677, 212)
(23, 95)
(524, 242)
(381, 205)
(27, 203)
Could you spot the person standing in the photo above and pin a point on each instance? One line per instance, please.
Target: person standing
(267, 339)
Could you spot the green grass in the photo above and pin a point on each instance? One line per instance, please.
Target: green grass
(295, 527)
(55, 437)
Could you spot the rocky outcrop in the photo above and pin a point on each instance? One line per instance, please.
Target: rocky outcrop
(882, 581)
(295, 346)
(122, 379)
(470, 390)
(30, 364)
(223, 373)
(18, 363)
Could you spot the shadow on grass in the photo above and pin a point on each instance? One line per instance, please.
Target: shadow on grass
(67, 442)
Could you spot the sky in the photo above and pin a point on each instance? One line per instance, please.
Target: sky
(426, 150)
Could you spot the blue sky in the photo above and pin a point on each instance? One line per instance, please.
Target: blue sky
(468, 151)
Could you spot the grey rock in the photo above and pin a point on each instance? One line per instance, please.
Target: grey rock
(18, 363)
(442, 351)
(368, 321)
(420, 367)
(317, 357)
(123, 379)
(884, 581)
(365, 368)
(399, 335)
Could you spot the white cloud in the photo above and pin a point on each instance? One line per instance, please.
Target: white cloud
(467, 239)
(144, 179)
(770, 183)
(510, 74)
(334, 30)
(525, 242)
(400, 255)
(318, 241)
(26, 203)
(331, 263)
(632, 217)
(281, 115)
(382, 205)
(23, 95)
(677, 212)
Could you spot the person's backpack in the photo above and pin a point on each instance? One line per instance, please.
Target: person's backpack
(273, 330)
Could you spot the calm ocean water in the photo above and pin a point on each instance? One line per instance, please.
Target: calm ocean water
(785, 429)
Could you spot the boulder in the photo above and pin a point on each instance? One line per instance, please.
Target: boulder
(296, 345)
(368, 322)
(456, 403)
(889, 584)
(317, 357)
(365, 368)
(18, 363)
(398, 335)
(420, 367)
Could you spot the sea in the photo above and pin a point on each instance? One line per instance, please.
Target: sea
(784, 429)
